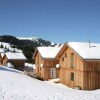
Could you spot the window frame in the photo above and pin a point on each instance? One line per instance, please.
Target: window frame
(62, 58)
(65, 55)
(72, 60)
(72, 76)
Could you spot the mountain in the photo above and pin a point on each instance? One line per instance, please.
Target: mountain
(24, 41)
(35, 40)
(27, 45)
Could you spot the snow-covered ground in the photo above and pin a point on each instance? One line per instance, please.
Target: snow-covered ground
(33, 66)
(8, 46)
(14, 85)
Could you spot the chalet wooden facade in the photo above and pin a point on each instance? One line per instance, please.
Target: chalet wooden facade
(0, 59)
(16, 59)
(80, 65)
(1, 53)
(46, 62)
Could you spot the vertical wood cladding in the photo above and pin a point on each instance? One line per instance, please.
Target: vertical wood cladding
(44, 71)
(86, 72)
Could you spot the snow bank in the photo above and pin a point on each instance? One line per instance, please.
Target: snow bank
(14, 85)
(30, 65)
(57, 80)
(10, 65)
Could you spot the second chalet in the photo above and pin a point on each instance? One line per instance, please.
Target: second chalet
(46, 63)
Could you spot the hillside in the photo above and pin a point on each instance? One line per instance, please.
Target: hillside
(36, 41)
(24, 41)
(27, 45)
(14, 85)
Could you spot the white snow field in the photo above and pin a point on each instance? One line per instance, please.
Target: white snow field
(8, 46)
(14, 85)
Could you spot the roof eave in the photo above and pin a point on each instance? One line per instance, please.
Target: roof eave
(89, 59)
(61, 51)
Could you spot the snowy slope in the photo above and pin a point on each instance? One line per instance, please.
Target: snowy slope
(35, 39)
(14, 85)
(40, 41)
(8, 46)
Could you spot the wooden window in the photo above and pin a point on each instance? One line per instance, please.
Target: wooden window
(62, 58)
(41, 58)
(65, 55)
(72, 76)
(72, 60)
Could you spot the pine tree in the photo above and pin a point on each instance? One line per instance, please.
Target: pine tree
(8, 49)
(14, 50)
(5, 47)
(1, 46)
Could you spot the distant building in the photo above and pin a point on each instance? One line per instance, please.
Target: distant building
(16, 59)
(1, 51)
(80, 65)
(0, 59)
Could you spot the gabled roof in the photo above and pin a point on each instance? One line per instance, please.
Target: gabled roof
(48, 52)
(61, 51)
(86, 50)
(15, 56)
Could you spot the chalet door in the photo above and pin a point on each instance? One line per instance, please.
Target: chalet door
(52, 73)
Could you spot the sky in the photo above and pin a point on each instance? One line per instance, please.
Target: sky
(55, 20)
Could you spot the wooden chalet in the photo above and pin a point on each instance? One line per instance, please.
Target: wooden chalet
(46, 62)
(1, 52)
(0, 59)
(80, 65)
(16, 59)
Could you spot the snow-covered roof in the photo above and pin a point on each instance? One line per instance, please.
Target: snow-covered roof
(48, 52)
(17, 56)
(86, 50)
